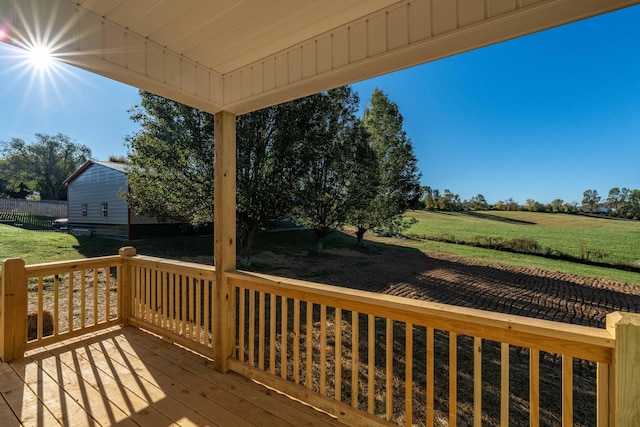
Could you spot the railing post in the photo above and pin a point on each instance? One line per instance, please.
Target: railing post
(224, 235)
(126, 287)
(13, 310)
(625, 328)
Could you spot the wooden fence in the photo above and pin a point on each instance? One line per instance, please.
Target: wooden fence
(369, 359)
(50, 208)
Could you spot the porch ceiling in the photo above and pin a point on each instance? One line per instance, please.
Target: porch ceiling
(243, 55)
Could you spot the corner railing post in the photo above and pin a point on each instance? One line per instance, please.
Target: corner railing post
(126, 285)
(13, 310)
(625, 328)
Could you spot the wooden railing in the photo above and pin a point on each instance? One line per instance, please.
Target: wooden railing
(367, 358)
(413, 362)
(47, 303)
(173, 299)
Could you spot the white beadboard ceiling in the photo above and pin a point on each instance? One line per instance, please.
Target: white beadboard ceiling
(243, 55)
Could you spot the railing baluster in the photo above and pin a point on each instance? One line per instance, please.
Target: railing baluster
(355, 349)
(241, 323)
(504, 384)
(192, 306)
(389, 370)
(173, 304)
(207, 312)
(40, 331)
(284, 336)
(184, 283)
(534, 387)
(83, 297)
(338, 355)
(95, 296)
(252, 327)
(107, 291)
(371, 359)
(272, 333)
(261, 337)
(165, 299)
(70, 298)
(56, 304)
(309, 346)
(323, 350)
(408, 376)
(603, 377)
(147, 316)
(430, 368)
(567, 391)
(296, 340)
(199, 307)
(453, 379)
(477, 382)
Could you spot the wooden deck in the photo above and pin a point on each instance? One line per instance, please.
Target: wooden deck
(127, 377)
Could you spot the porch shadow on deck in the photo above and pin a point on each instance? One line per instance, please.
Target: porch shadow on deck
(125, 376)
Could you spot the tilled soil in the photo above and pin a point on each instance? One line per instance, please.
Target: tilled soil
(453, 280)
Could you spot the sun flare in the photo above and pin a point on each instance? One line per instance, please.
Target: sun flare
(40, 57)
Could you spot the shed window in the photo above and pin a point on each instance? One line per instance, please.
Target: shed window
(105, 210)
(83, 208)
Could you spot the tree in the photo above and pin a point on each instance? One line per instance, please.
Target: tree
(331, 147)
(399, 186)
(172, 164)
(591, 199)
(41, 166)
(479, 203)
(557, 205)
(269, 166)
(171, 173)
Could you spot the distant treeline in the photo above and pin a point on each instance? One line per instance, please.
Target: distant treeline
(620, 202)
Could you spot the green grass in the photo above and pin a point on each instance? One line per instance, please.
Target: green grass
(27, 221)
(37, 247)
(608, 240)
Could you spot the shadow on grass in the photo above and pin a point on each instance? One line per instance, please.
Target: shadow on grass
(498, 218)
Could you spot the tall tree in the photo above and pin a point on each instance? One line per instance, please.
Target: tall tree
(269, 144)
(171, 173)
(591, 198)
(172, 158)
(479, 203)
(42, 165)
(398, 166)
(332, 144)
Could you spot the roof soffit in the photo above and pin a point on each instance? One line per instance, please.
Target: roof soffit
(244, 55)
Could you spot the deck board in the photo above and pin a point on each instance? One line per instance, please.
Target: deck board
(125, 376)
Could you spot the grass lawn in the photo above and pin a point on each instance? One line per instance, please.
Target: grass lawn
(38, 247)
(616, 241)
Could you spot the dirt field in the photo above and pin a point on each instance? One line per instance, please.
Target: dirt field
(451, 280)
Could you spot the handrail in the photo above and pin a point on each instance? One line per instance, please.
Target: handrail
(282, 338)
(574, 340)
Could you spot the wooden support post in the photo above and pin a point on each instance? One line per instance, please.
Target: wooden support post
(126, 287)
(224, 235)
(625, 390)
(13, 310)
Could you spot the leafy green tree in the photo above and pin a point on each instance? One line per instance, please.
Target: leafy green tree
(613, 199)
(171, 173)
(43, 165)
(591, 199)
(479, 203)
(330, 156)
(399, 187)
(269, 144)
(172, 160)
(556, 205)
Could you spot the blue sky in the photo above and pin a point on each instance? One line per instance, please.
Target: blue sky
(544, 116)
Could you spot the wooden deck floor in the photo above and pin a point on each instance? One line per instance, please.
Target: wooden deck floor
(127, 377)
